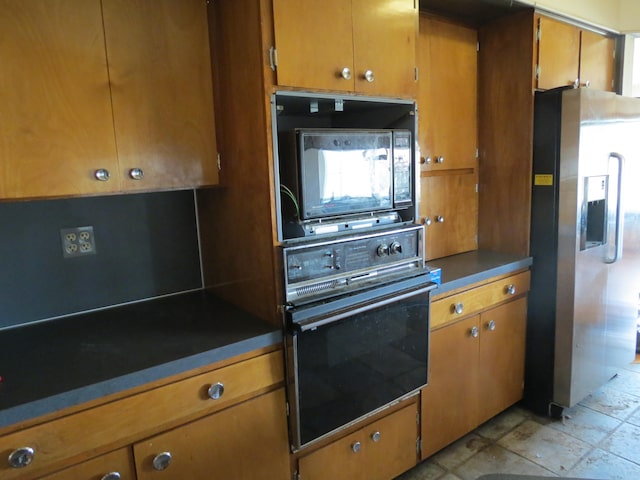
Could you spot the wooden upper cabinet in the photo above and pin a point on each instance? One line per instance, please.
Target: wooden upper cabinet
(568, 55)
(597, 59)
(56, 126)
(160, 72)
(363, 46)
(447, 98)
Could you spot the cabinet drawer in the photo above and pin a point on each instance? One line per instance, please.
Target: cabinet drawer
(477, 299)
(64, 441)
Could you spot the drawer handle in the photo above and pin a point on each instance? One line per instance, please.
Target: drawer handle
(375, 436)
(510, 289)
(474, 332)
(136, 174)
(355, 446)
(21, 457)
(457, 308)
(216, 391)
(102, 174)
(162, 461)
(346, 73)
(112, 476)
(491, 325)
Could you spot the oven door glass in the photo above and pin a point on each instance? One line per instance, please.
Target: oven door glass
(347, 369)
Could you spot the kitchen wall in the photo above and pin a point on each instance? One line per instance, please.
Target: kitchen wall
(146, 245)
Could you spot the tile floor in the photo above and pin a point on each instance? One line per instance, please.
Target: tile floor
(598, 439)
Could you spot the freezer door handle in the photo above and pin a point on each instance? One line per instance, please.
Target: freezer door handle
(617, 253)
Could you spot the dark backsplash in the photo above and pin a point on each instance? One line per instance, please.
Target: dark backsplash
(146, 246)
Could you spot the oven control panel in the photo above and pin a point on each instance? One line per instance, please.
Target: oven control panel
(333, 267)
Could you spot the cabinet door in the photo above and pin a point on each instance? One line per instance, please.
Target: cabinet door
(597, 60)
(502, 349)
(450, 203)
(447, 98)
(380, 451)
(558, 53)
(248, 440)
(449, 401)
(119, 461)
(384, 43)
(160, 69)
(56, 124)
(314, 41)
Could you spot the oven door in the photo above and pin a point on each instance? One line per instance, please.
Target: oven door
(350, 357)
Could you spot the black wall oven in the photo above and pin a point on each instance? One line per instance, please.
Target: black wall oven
(358, 333)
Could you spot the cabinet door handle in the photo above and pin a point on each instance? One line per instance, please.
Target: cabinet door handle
(457, 308)
(368, 76)
(426, 160)
(474, 332)
(102, 174)
(375, 436)
(439, 219)
(346, 73)
(427, 221)
(491, 325)
(510, 289)
(136, 173)
(216, 391)
(355, 447)
(112, 476)
(440, 159)
(162, 461)
(21, 457)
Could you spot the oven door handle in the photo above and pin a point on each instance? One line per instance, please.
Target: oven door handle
(324, 320)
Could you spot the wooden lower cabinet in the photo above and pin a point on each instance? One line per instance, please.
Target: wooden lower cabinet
(476, 371)
(107, 467)
(381, 450)
(247, 441)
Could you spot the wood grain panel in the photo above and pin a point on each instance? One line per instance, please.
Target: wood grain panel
(597, 60)
(315, 42)
(453, 197)
(56, 124)
(120, 461)
(502, 351)
(246, 441)
(450, 400)
(448, 94)
(477, 299)
(240, 265)
(506, 133)
(393, 454)
(384, 38)
(67, 440)
(558, 53)
(160, 68)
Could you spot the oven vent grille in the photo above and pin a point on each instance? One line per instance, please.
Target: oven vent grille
(316, 288)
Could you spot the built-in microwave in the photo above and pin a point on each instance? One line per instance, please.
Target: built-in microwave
(336, 179)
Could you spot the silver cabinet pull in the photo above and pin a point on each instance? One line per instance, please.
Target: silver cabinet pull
(510, 289)
(426, 160)
(162, 461)
(440, 159)
(368, 76)
(346, 73)
(102, 174)
(474, 332)
(21, 457)
(427, 221)
(491, 325)
(136, 173)
(457, 308)
(112, 476)
(355, 447)
(216, 391)
(375, 436)
(439, 219)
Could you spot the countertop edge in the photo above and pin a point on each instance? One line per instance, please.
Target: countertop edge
(48, 405)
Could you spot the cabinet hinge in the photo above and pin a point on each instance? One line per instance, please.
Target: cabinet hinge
(476, 188)
(295, 476)
(273, 58)
(219, 163)
(477, 153)
(417, 418)
(287, 410)
(477, 46)
(537, 72)
(538, 34)
(419, 446)
(415, 73)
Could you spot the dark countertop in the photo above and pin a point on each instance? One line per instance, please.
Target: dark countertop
(60, 363)
(466, 268)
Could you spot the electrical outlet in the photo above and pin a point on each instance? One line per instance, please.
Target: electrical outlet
(78, 241)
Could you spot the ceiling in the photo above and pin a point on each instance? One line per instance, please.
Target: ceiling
(475, 12)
